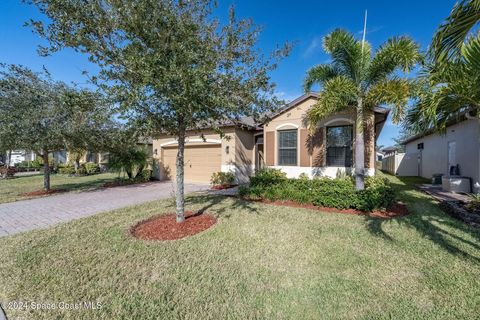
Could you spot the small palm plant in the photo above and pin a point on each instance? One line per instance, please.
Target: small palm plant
(474, 203)
(358, 80)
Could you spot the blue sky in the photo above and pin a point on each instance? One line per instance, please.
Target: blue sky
(303, 23)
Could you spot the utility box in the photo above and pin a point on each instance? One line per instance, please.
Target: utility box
(437, 178)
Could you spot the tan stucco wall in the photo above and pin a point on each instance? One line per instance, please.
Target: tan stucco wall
(244, 154)
(239, 153)
(434, 156)
(295, 118)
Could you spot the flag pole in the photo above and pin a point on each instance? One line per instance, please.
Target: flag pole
(364, 30)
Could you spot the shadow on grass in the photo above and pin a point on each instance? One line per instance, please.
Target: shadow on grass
(428, 220)
(210, 201)
(84, 185)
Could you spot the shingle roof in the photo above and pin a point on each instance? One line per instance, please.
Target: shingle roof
(309, 95)
(251, 123)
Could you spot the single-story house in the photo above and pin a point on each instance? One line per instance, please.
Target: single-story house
(100, 158)
(18, 156)
(284, 142)
(436, 153)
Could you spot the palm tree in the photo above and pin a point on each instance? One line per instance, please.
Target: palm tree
(450, 82)
(450, 38)
(356, 79)
(449, 89)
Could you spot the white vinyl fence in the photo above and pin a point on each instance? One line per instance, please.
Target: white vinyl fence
(401, 164)
(391, 163)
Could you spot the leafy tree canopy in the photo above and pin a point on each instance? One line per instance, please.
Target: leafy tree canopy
(39, 114)
(168, 65)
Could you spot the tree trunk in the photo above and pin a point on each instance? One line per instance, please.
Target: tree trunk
(359, 148)
(129, 173)
(180, 197)
(9, 158)
(7, 164)
(77, 165)
(46, 171)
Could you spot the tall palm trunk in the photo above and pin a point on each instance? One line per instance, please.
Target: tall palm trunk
(46, 171)
(359, 148)
(180, 200)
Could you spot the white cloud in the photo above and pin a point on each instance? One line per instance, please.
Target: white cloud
(371, 30)
(315, 44)
(288, 97)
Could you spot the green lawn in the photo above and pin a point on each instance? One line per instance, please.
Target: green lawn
(259, 261)
(12, 189)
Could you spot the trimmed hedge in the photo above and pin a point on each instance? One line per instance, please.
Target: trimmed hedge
(272, 184)
(65, 169)
(222, 178)
(91, 168)
(88, 168)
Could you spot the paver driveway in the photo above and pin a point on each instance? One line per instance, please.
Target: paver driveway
(43, 212)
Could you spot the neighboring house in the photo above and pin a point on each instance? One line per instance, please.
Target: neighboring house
(284, 142)
(434, 153)
(100, 158)
(379, 155)
(18, 156)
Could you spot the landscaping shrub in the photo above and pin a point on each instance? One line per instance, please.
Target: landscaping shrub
(28, 164)
(323, 192)
(222, 178)
(7, 172)
(474, 203)
(65, 169)
(132, 160)
(38, 162)
(91, 168)
(377, 194)
(267, 176)
(145, 175)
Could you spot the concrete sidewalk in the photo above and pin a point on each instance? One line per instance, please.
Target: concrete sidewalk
(38, 213)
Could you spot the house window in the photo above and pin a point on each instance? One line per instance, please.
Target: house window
(339, 146)
(91, 157)
(287, 147)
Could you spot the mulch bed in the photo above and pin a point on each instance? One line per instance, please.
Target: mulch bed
(43, 192)
(165, 227)
(396, 210)
(113, 184)
(223, 186)
(122, 183)
(458, 210)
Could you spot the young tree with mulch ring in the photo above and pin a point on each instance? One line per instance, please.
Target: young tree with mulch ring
(171, 66)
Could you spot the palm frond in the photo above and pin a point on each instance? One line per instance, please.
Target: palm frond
(450, 36)
(400, 53)
(337, 94)
(448, 90)
(319, 74)
(395, 92)
(471, 53)
(347, 54)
